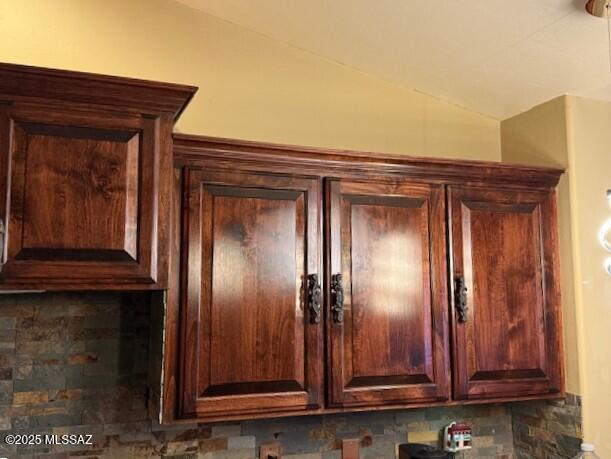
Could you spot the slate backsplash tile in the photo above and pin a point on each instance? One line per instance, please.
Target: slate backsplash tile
(77, 363)
(547, 429)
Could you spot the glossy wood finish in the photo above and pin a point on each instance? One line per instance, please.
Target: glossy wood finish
(248, 342)
(85, 171)
(388, 242)
(504, 244)
(384, 174)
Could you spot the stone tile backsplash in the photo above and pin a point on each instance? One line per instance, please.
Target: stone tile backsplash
(547, 429)
(78, 363)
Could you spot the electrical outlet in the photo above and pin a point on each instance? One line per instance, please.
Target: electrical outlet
(270, 451)
(350, 448)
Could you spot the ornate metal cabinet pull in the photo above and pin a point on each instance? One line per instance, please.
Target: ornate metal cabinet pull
(337, 293)
(460, 299)
(314, 298)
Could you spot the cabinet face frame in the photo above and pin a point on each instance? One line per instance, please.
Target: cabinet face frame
(205, 193)
(530, 216)
(417, 212)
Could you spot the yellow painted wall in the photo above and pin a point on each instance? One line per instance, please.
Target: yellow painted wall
(575, 133)
(538, 136)
(590, 159)
(250, 86)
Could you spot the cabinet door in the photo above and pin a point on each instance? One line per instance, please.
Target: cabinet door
(81, 198)
(389, 344)
(505, 261)
(251, 342)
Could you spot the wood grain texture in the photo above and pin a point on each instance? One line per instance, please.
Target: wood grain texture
(93, 184)
(76, 212)
(249, 244)
(369, 386)
(84, 177)
(383, 240)
(254, 294)
(504, 246)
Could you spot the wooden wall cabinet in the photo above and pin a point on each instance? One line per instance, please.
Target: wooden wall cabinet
(438, 282)
(85, 179)
(505, 259)
(299, 280)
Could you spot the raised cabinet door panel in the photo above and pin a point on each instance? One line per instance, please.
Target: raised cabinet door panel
(251, 343)
(387, 240)
(507, 337)
(82, 198)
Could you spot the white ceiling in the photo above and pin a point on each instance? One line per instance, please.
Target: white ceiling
(497, 57)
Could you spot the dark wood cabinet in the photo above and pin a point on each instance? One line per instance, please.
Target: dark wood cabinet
(505, 268)
(440, 282)
(252, 326)
(300, 280)
(85, 173)
(388, 315)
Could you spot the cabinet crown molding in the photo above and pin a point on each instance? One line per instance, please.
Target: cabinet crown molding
(254, 155)
(21, 81)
